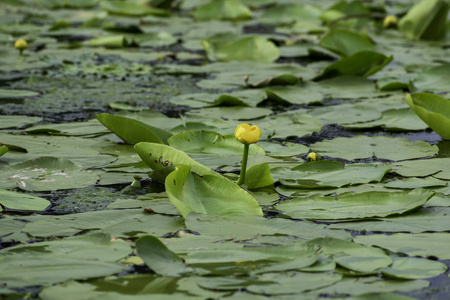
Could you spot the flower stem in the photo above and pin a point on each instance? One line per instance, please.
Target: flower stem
(243, 165)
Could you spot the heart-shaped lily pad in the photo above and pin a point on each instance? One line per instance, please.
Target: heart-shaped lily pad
(355, 206)
(18, 201)
(46, 174)
(381, 147)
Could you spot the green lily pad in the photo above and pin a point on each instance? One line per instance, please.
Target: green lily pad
(361, 63)
(364, 285)
(304, 93)
(232, 113)
(158, 156)
(18, 121)
(352, 256)
(133, 131)
(282, 14)
(247, 227)
(434, 79)
(380, 296)
(255, 49)
(132, 9)
(394, 83)
(355, 206)
(422, 168)
(433, 110)
(281, 80)
(159, 203)
(346, 43)
(344, 114)
(131, 286)
(393, 119)
(381, 147)
(426, 20)
(284, 149)
(47, 263)
(416, 183)
(151, 117)
(94, 246)
(420, 244)
(241, 74)
(159, 258)
(91, 127)
(210, 142)
(414, 268)
(342, 9)
(209, 194)
(156, 82)
(297, 254)
(239, 98)
(6, 94)
(123, 223)
(11, 229)
(348, 87)
(115, 41)
(293, 282)
(232, 10)
(289, 124)
(46, 174)
(154, 39)
(79, 150)
(326, 174)
(425, 220)
(3, 150)
(258, 176)
(18, 201)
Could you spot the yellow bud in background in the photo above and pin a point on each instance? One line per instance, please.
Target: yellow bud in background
(313, 156)
(21, 45)
(247, 134)
(390, 21)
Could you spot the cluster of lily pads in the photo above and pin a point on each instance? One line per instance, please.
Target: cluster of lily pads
(364, 85)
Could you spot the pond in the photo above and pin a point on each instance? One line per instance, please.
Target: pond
(119, 159)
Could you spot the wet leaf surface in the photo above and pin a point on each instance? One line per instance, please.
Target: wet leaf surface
(325, 77)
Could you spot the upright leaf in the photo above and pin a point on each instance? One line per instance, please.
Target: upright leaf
(362, 63)
(3, 150)
(158, 156)
(208, 194)
(159, 258)
(425, 20)
(433, 110)
(133, 131)
(258, 176)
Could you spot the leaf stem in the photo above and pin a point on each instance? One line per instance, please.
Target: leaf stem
(243, 165)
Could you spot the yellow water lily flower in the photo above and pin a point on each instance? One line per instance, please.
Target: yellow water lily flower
(21, 45)
(389, 21)
(247, 134)
(313, 156)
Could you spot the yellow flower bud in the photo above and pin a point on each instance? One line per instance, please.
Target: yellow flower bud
(21, 44)
(247, 134)
(313, 156)
(389, 21)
